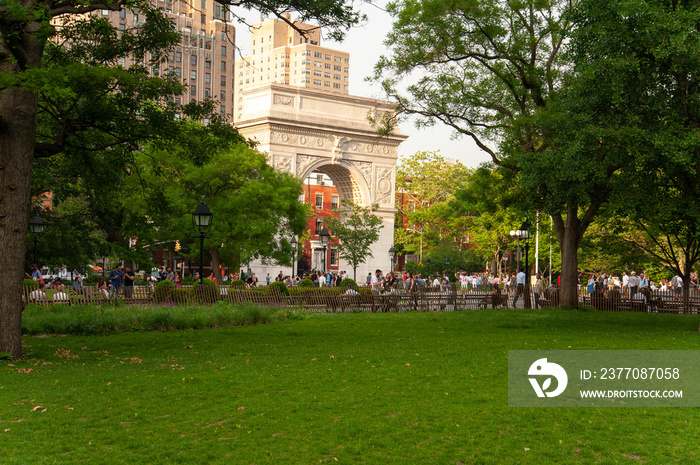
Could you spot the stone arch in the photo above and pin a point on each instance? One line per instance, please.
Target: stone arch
(348, 180)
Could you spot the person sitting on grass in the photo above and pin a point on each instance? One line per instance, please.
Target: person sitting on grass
(78, 285)
(38, 295)
(102, 288)
(60, 297)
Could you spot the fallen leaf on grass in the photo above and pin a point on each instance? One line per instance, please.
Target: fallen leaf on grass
(314, 359)
(408, 364)
(25, 370)
(189, 347)
(6, 430)
(634, 457)
(38, 407)
(526, 449)
(241, 408)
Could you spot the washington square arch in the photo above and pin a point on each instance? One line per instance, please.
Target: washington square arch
(302, 130)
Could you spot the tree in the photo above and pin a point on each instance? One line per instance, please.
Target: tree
(643, 59)
(427, 184)
(355, 228)
(43, 51)
(256, 207)
(494, 71)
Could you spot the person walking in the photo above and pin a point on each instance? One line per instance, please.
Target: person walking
(115, 282)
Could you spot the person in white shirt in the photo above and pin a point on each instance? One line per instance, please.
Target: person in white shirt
(321, 280)
(625, 283)
(377, 281)
(60, 297)
(520, 281)
(38, 295)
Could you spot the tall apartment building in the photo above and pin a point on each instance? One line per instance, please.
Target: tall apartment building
(204, 59)
(281, 55)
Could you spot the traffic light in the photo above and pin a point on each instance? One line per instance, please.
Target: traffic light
(177, 246)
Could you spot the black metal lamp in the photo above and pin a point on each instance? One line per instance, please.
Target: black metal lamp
(36, 226)
(294, 243)
(325, 239)
(202, 219)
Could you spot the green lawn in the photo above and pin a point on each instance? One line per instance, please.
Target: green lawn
(353, 388)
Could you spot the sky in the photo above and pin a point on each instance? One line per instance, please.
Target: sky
(366, 44)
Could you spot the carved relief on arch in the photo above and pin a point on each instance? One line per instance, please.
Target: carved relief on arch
(365, 168)
(384, 186)
(303, 163)
(283, 164)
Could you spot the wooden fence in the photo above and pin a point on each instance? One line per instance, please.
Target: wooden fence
(426, 299)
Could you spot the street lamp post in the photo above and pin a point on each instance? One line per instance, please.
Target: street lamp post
(36, 226)
(524, 233)
(447, 266)
(325, 238)
(427, 262)
(201, 218)
(295, 244)
(392, 256)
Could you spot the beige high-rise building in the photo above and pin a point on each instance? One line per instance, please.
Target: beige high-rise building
(205, 57)
(281, 55)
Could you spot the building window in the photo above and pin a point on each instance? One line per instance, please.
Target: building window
(207, 78)
(207, 64)
(204, 4)
(336, 77)
(317, 72)
(337, 68)
(334, 255)
(193, 75)
(178, 57)
(207, 93)
(223, 50)
(328, 57)
(222, 95)
(326, 84)
(338, 59)
(178, 72)
(319, 226)
(223, 66)
(122, 28)
(193, 60)
(327, 66)
(136, 18)
(223, 81)
(317, 82)
(122, 62)
(193, 90)
(336, 85)
(318, 63)
(319, 201)
(222, 110)
(318, 55)
(105, 12)
(335, 202)
(122, 14)
(203, 19)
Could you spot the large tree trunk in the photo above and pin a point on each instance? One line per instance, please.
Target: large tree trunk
(569, 235)
(19, 51)
(214, 252)
(17, 132)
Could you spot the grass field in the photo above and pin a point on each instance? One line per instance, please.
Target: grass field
(407, 388)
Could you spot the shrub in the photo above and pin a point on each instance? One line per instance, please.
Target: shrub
(164, 291)
(344, 284)
(282, 287)
(30, 283)
(306, 282)
(238, 282)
